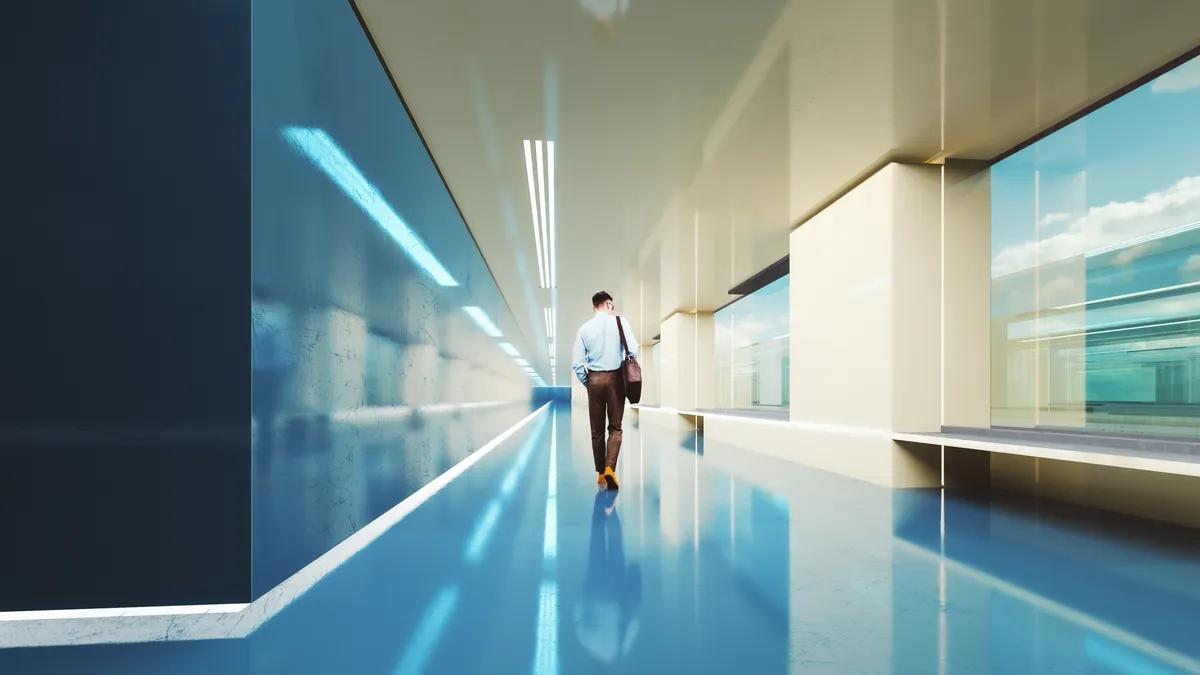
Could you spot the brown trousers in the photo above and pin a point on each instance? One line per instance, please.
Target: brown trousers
(606, 399)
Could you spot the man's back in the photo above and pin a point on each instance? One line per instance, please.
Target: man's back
(598, 345)
(597, 363)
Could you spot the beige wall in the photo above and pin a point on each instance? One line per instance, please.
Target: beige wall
(651, 374)
(866, 327)
(966, 295)
(1159, 496)
(687, 373)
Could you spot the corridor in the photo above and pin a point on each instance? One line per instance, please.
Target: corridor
(306, 298)
(710, 559)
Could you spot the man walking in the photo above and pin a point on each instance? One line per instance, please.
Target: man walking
(597, 363)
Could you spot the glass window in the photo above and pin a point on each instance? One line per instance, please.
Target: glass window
(753, 364)
(1096, 266)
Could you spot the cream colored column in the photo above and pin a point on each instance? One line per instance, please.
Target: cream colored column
(966, 295)
(688, 375)
(689, 290)
(966, 315)
(866, 327)
(650, 373)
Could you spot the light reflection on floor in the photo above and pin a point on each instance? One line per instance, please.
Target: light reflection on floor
(712, 560)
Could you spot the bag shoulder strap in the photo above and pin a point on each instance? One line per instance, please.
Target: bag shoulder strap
(621, 330)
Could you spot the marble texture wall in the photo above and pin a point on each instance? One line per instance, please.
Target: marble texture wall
(383, 352)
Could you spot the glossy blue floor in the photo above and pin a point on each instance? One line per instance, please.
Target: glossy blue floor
(709, 560)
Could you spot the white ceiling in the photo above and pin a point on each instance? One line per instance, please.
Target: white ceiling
(727, 122)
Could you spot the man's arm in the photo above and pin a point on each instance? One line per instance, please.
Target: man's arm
(579, 360)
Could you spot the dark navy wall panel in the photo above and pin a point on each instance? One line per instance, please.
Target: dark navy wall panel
(125, 397)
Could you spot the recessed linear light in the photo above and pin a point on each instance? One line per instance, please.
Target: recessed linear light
(541, 174)
(509, 349)
(521, 361)
(327, 156)
(541, 206)
(553, 256)
(481, 319)
(533, 207)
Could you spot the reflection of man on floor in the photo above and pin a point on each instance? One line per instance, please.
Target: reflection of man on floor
(606, 621)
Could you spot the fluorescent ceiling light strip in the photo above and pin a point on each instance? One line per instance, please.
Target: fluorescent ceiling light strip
(550, 179)
(327, 156)
(507, 348)
(481, 319)
(541, 176)
(533, 207)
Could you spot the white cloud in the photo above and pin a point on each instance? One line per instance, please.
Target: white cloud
(1134, 252)
(1107, 225)
(1190, 270)
(1063, 290)
(1052, 218)
(760, 328)
(1183, 78)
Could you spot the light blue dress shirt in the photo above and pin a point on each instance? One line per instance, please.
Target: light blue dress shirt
(598, 345)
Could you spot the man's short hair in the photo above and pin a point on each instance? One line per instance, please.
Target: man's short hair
(601, 298)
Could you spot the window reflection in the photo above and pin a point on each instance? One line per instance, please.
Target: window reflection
(1096, 266)
(753, 362)
(369, 377)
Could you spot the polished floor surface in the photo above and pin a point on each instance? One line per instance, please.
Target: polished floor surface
(711, 559)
